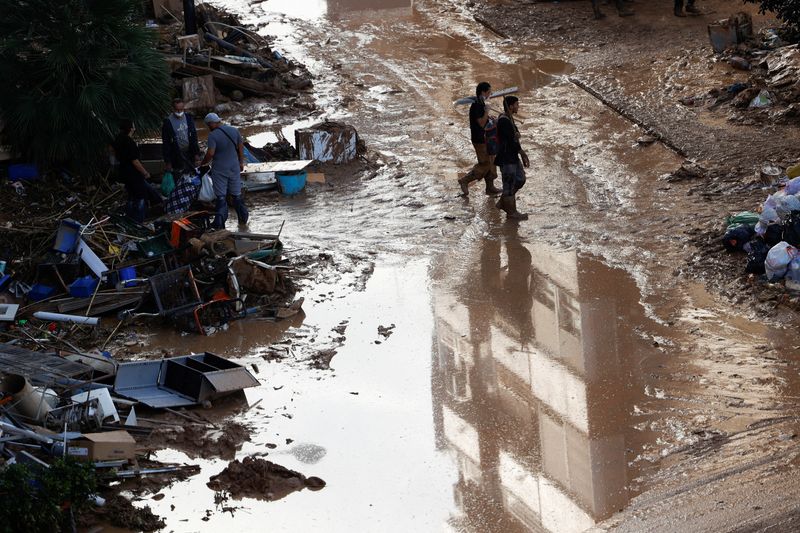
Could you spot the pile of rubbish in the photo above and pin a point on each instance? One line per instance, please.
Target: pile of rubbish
(64, 395)
(175, 269)
(773, 84)
(215, 59)
(771, 237)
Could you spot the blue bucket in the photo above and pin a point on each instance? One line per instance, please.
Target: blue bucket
(126, 274)
(292, 184)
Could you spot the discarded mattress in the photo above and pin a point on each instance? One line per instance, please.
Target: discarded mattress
(181, 381)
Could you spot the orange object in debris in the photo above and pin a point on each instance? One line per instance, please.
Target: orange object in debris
(181, 231)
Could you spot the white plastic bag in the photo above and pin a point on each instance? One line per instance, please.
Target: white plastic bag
(206, 193)
(792, 186)
(778, 259)
(793, 275)
(785, 204)
(764, 99)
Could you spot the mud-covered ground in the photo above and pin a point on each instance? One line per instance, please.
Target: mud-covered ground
(597, 366)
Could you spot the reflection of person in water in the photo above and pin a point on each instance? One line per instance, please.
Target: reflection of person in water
(517, 289)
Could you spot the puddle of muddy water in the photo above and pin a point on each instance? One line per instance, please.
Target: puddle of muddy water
(365, 427)
(539, 382)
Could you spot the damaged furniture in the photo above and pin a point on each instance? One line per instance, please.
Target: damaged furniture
(181, 381)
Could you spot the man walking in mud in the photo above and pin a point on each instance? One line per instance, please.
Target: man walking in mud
(478, 118)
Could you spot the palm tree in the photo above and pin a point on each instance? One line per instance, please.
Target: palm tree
(69, 71)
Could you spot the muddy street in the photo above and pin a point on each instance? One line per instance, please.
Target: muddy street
(560, 374)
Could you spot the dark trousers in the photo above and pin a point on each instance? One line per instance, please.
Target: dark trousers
(620, 5)
(679, 4)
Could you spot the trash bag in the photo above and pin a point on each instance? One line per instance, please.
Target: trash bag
(793, 275)
(778, 259)
(785, 204)
(167, 184)
(744, 218)
(769, 215)
(764, 99)
(793, 185)
(773, 235)
(206, 193)
(791, 229)
(757, 251)
(737, 236)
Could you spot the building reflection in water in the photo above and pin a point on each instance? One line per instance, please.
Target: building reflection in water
(535, 378)
(346, 8)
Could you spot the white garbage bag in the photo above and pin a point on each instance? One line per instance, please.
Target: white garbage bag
(206, 193)
(778, 259)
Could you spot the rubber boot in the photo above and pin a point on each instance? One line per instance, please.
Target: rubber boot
(221, 213)
(501, 203)
(491, 190)
(463, 182)
(511, 209)
(691, 9)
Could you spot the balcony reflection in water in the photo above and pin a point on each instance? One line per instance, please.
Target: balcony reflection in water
(535, 377)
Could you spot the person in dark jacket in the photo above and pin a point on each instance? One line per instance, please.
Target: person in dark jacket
(179, 138)
(132, 173)
(511, 159)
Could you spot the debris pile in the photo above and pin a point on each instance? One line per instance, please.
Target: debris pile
(221, 60)
(771, 237)
(772, 87)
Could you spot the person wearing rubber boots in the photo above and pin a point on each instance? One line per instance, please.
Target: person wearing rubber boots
(226, 155)
(478, 118)
(511, 159)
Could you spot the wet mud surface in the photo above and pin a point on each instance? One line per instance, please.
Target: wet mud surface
(455, 371)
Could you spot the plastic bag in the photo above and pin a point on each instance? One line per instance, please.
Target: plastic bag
(769, 215)
(785, 204)
(764, 99)
(206, 193)
(793, 275)
(778, 259)
(167, 184)
(793, 185)
(747, 218)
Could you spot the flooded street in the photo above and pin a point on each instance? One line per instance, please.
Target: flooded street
(553, 375)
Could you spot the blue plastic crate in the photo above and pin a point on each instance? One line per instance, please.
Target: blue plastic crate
(21, 171)
(83, 287)
(40, 292)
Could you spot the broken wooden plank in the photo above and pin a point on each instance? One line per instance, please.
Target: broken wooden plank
(227, 80)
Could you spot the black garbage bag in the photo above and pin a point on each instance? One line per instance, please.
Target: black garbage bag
(773, 235)
(735, 238)
(756, 255)
(791, 229)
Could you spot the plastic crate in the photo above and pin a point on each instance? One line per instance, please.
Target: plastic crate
(175, 291)
(83, 287)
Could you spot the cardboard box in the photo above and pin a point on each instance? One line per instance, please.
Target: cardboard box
(106, 446)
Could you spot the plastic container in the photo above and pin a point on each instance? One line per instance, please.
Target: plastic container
(83, 287)
(22, 172)
(40, 292)
(67, 237)
(292, 184)
(126, 274)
